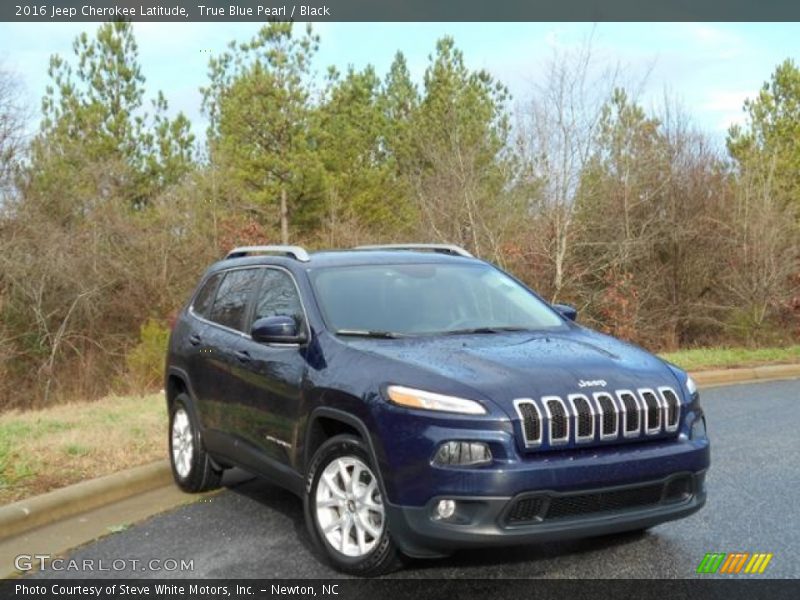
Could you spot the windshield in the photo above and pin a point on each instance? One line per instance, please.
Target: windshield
(424, 299)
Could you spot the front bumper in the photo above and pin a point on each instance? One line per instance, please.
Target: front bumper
(493, 521)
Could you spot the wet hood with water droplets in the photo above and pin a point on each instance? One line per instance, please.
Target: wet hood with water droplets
(505, 366)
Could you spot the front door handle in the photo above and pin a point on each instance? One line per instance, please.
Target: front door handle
(243, 356)
(194, 339)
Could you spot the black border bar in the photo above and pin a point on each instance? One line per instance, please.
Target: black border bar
(732, 588)
(399, 10)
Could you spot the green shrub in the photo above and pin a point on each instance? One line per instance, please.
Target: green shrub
(145, 361)
(748, 327)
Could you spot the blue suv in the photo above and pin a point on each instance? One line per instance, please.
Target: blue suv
(420, 400)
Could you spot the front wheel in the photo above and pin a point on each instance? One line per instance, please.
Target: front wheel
(192, 467)
(345, 510)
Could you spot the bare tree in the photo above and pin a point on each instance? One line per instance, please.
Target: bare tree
(766, 251)
(557, 130)
(12, 132)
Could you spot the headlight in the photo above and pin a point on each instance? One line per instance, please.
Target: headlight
(691, 386)
(412, 398)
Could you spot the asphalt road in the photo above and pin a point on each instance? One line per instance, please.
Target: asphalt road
(254, 529)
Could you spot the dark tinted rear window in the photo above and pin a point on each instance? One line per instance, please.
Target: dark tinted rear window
(232, 296)
(205, 297)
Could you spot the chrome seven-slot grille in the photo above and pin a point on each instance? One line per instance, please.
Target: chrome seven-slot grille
(598, 416)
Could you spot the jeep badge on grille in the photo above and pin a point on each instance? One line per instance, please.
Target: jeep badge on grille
(582, 383)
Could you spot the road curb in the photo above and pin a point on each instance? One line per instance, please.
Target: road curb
(34, 512)
(27, 514)
(728, 376)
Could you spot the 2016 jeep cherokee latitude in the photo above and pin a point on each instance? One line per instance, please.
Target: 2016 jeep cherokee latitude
(420, 400)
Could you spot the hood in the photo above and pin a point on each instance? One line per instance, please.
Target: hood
(505, 366)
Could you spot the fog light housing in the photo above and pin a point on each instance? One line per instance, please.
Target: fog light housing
(461, 454)
(445, 508)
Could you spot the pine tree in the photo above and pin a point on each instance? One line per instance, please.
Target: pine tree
(354, 133)
(459, 134)
(769, 142)
(96, 141)
(260, 136)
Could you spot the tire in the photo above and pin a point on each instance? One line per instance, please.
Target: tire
(192, 467)
(346, 518)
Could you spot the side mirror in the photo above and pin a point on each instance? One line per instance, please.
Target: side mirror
(567, 310)
(277, 330)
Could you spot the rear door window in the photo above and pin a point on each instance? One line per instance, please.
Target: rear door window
(230, 305)
(204, 299)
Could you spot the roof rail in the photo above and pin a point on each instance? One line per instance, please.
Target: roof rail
(296, 252)
(442, 248)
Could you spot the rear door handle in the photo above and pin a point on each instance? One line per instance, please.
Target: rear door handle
(194, 339)
(243, 355)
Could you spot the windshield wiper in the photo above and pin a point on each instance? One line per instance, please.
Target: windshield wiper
(484, 330)
(386, 335)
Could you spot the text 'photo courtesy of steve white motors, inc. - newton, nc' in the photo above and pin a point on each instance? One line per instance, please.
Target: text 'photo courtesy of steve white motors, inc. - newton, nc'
(193, 590)
(288, 11)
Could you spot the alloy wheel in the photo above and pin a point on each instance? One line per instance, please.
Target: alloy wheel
(349, 507)
(182, 443)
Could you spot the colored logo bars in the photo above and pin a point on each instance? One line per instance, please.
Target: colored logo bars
(734, 563)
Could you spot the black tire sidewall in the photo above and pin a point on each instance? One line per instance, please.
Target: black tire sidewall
(384, 551)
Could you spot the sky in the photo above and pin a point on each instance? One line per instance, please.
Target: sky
(710, 68)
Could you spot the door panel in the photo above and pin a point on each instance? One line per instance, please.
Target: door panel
(265, 413)
(194, 335)
(221, 338)
(268, 377)
(219, 345)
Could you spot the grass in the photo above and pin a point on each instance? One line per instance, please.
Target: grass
(727, 358)
(46, 449)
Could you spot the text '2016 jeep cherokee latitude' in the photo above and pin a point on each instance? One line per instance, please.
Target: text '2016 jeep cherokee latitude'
(420, 400)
